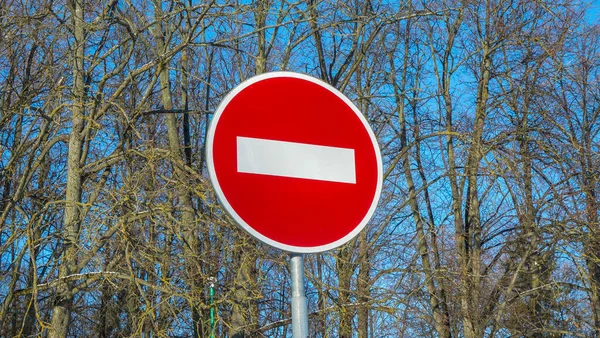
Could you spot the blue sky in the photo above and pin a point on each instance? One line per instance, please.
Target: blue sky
(593, 15)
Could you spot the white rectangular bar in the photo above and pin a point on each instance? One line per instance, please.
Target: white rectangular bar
(297, 160)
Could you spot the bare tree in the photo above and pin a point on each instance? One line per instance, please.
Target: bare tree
(486, 113)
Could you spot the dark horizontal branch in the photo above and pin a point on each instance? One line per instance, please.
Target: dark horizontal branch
(173, 111)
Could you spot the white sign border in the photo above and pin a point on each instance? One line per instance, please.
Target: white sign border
(229, 209)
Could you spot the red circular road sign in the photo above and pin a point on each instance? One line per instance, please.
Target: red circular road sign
(294, 162)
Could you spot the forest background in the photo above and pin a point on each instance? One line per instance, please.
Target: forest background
(488, 117)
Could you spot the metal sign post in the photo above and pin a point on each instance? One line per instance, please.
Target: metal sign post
(299, 304)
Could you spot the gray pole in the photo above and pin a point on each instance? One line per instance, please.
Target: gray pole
(299, 305)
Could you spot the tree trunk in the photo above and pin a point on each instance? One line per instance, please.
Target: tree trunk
(183, 156)
(61, 310)
(436, 302)
(321, 317)
(344, 267)
(363, 285)
(592, 245)
(471, 261)
(242, 322)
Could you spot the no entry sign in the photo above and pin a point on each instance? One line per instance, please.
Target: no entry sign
(294, 162)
